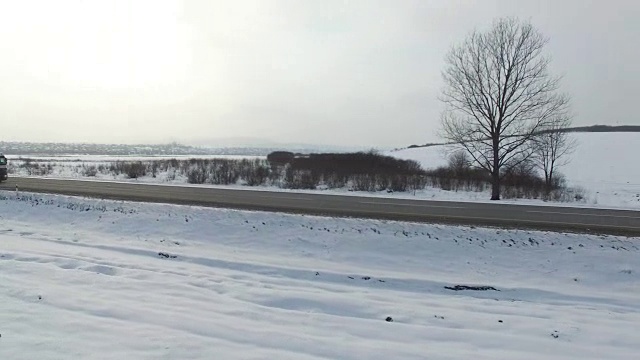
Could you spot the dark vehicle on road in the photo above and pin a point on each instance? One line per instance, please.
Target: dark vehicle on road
(3, 168)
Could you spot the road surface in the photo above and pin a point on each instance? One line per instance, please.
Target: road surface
(623, 222)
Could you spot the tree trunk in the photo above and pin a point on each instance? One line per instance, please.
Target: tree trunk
(548, 182)
(495, 173)
(495, 185)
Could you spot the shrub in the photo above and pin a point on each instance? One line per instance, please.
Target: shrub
(299, 179)
(258, 175)
(134, 170)
(196, 176)
(90, 171)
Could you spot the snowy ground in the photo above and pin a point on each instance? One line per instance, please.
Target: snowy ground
(89, 279)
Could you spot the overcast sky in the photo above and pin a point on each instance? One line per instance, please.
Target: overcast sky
(363, 73)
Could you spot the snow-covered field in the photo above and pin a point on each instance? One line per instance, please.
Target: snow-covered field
(605, 165)
(90, 279)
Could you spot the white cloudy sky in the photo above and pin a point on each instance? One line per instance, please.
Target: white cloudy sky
(343, 72)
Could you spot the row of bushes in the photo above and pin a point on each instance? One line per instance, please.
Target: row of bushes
(357, 171)
(360, 171)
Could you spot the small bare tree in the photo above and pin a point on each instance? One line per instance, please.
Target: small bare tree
(551, 149)
(498, 94)
(459, 161)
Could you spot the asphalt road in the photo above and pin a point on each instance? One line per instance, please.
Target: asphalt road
(622, 222)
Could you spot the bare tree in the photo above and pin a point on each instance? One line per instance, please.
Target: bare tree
(498, 93)
(551, 148)
(459, 161)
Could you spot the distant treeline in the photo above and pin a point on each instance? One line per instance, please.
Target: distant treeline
(577, 129)
(425, 145)
(604, 128)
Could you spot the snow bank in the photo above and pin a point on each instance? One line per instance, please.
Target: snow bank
(88, 279)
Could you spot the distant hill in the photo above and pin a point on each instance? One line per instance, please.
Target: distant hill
(258, 143)
(29, 148)
(62, 149)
